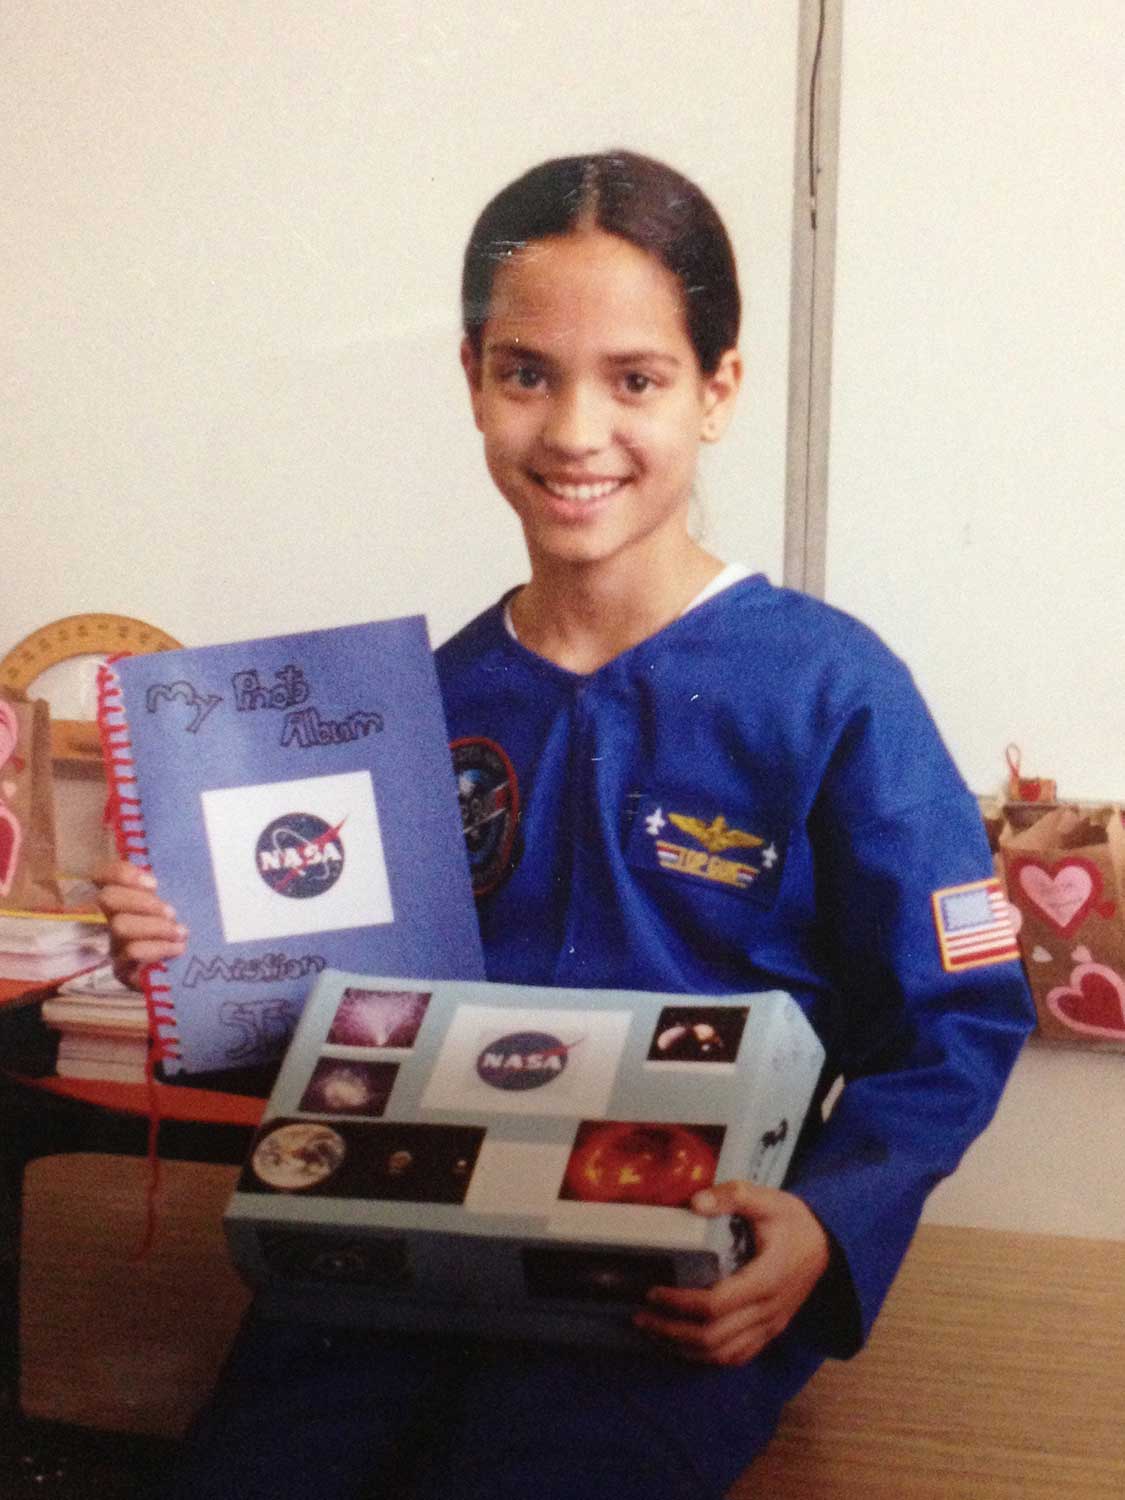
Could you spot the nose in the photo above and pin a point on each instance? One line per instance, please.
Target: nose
(577, 420)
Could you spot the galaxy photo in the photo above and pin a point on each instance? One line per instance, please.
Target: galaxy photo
(325, 1257)
(340, 1086)
(378, 1018)
(698, 1033)
(654, 1163)
(594, 1275)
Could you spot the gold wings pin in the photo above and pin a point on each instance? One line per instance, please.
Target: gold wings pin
(715, 836)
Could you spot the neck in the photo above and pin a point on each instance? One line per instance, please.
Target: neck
(582, 616)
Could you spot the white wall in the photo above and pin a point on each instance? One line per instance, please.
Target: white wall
(975, 511)
(231, 246)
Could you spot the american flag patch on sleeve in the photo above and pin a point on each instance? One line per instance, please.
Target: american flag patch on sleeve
(974, 926)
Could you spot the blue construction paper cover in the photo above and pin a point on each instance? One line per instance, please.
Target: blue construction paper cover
(296, 800)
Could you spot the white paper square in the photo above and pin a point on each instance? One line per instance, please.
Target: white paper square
(516, 1177)
(236, 817)
(587, 1045)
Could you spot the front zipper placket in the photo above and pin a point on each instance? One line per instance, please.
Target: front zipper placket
(581, 813)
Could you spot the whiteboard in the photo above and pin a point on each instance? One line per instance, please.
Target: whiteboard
(976, 514)
(231, 257)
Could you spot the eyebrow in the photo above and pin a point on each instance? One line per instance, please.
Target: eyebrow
(644, 357)
(514, 348)
(511, 348)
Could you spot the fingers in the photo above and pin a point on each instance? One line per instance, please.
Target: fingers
(732, 1321)
(742, 1344)
(731, 1338)
(122, 872)
(143, 929)
(759, 1279)
(755, 1290)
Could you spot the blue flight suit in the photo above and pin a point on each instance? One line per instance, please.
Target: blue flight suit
(794, 724)
(754, 798)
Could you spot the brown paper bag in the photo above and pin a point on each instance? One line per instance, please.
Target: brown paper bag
(28, 877)
(1065, 874)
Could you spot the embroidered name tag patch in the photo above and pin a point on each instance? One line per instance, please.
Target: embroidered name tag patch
(974, 926)
(732, 855)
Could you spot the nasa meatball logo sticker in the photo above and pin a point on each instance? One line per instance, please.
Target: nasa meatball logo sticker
(499, 1059)
(523, 1060)
(488, 792)
(300, 855)
(291, 858)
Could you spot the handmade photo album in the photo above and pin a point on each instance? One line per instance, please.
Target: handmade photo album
(512, 1160)
(295, 797)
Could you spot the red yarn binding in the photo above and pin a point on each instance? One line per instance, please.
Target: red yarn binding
(123, 814)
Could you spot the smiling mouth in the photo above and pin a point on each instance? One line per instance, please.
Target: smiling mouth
(581, 493)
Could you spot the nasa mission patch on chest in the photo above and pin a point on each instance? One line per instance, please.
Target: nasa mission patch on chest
(489, 797)
(735, 854)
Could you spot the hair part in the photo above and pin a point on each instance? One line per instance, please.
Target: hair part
(634, 197)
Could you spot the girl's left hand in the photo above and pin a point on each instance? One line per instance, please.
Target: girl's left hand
(730, 1322)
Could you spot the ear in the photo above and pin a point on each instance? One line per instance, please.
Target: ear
(471, 366)
(720, 391)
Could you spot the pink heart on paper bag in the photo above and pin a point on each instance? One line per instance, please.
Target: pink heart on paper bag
(1061, 893)
(11, 836)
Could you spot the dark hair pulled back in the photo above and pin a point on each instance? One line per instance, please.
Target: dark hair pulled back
(643, 201)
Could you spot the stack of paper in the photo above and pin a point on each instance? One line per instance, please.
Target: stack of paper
(42, 948)
(103, 1028)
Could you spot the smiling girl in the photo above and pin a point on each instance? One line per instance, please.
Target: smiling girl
(634, 702)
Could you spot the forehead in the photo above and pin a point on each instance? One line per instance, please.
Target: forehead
(588, 289)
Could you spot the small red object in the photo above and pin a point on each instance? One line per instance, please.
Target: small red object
(1026, 788)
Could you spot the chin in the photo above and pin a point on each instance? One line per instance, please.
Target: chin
(572, 551)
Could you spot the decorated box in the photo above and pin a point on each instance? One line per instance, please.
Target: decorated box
(512, 1160)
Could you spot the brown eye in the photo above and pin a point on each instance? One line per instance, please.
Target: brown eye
(636, 383)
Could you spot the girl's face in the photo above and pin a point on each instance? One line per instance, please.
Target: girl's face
(590, 398)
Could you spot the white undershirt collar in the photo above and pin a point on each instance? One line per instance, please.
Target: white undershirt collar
(732, 573)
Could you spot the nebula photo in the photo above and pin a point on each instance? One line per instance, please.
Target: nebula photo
(378, 1018)
(698, 1033)
(340, 1086)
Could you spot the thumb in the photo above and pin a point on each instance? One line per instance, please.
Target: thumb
(746, 1199)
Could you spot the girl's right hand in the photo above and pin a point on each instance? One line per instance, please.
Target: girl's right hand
(142, 928)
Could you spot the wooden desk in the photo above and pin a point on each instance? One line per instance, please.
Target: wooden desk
(996, 1371)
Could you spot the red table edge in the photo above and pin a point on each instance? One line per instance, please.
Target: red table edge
(200, 1106)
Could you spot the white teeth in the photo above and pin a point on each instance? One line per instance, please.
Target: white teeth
(583, 492)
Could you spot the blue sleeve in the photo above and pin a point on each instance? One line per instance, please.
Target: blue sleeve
(925, 1052)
